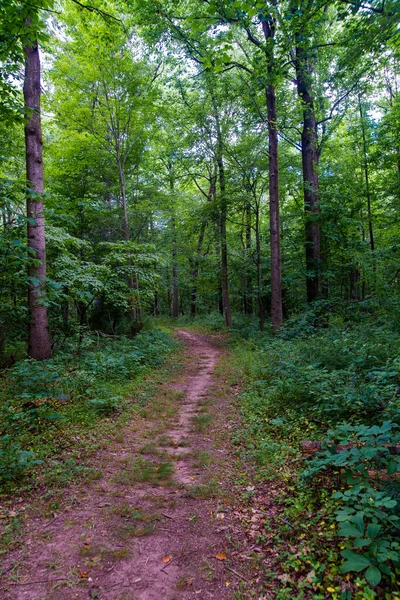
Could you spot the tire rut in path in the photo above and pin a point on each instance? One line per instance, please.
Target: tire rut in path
(110, 538)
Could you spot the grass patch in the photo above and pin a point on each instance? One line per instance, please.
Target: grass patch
(201, 422)
(204, 491)
(146, 471)
(165, 441)
(202, 459)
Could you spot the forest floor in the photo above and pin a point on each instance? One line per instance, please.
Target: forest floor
(162, 521)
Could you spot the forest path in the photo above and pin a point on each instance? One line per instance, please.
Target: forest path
(151, 528)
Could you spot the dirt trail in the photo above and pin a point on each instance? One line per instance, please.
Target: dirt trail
(110, 537)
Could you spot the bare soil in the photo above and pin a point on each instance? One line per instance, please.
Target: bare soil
(153, 526)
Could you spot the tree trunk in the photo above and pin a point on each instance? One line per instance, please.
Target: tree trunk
(274, 218)
(366, 175)
(196, 262)
(39, 345)
(132, 282)
(175, 287)
(223, 217)
(355, 284)
(309, 155)
(247, 283)
(259, 271)
(195, 270)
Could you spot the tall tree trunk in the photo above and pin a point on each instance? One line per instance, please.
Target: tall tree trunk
(220, 301)
(259, 271)
(223, 215)
(247, 283)
(175, 280)
(309, 155)
(366, 175)
(122, 184)
(274, 218)
(196, 262)
(133, 282)
(175, 288)
(39, 345)
(195, 270)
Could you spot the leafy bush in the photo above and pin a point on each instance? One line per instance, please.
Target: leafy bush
(105, 406)
(339, 384)
(365, 514)
(14, 462)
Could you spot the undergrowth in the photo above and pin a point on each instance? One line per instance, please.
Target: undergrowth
(50, 410)
(338, 383)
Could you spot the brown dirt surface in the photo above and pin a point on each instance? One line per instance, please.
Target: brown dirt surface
(155, 526)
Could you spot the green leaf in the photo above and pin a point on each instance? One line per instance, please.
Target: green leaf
(373, 575)
(358, 520)
(393, 467)
(361, 543)
(373, 529)
(355, 562)
(348, 530)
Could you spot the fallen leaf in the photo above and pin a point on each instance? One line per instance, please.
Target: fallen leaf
(221, 556)
(167, 559)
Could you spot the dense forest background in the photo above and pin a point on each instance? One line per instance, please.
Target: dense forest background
(198, 157)
(226, 163)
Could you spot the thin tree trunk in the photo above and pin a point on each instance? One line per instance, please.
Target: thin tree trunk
(175, 280)
(247, 283)
(195, 270)
(39, 345)
(366, 175)
(274, 218)
(132, 282)
(309, 154)
(175, 288)
(223, 216)
(122, 184)
(259, 271)
(196, 262)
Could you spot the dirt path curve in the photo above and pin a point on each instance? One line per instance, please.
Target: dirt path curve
(150, 528)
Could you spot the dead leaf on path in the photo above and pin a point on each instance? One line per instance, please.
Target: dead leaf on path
(167, 559)
(221, 556)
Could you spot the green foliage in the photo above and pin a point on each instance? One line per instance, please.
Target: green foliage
(105, 406)
(14, 462)
(42, 401)
(337, 384)
(366, 514)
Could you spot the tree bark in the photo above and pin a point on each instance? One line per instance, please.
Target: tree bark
(133, 283)
(39, 345)
(366, 175)
(309, 155)
(247, 283)
(196, 262)
(175, 280)
(259, 271)
(175, 288)
(223, 216)
(274, 217)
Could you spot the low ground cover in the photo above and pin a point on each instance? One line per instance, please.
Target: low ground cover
(339, 527)
(54, 411)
